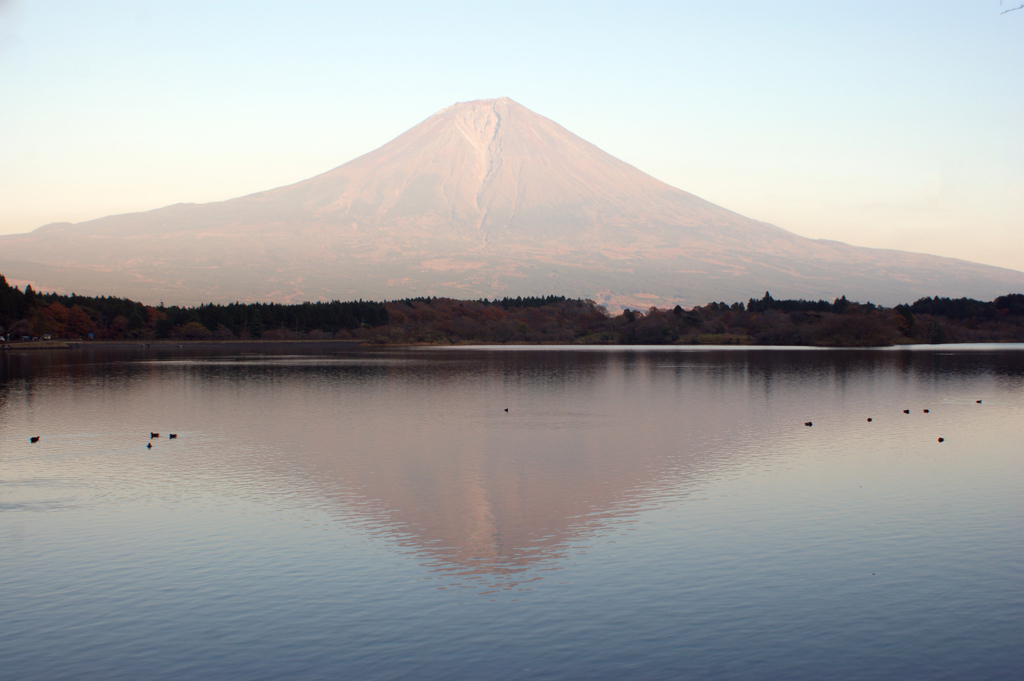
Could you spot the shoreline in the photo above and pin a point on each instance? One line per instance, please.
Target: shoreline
(107, 344)
(38, 346)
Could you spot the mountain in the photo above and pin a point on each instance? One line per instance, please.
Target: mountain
(483, 198)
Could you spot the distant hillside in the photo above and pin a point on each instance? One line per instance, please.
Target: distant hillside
(550, 319)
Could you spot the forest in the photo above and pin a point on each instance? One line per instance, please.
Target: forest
(551, 319)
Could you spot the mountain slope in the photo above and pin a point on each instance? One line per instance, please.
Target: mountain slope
(484, 198)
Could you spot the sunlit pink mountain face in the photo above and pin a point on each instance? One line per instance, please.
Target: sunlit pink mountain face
(482, 199)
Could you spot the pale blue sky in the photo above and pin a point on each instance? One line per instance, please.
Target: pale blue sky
(880, 124)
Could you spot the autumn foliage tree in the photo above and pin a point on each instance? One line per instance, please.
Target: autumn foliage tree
(539, 319)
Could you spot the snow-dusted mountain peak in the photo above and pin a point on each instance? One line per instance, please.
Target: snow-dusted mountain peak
(483, 198)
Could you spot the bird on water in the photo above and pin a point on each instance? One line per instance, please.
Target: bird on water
(906, 411)
(149, 445)
(153, 435)
(808, 424)
(925, 411)
(34, 439)
(172, 436)
(942, 439)
(869, 419)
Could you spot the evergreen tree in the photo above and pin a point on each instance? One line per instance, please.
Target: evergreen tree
(255, 322)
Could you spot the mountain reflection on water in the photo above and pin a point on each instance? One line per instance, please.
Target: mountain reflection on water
(330, 511)
(418, 442)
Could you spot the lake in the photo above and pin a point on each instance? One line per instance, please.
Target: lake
(330, 511)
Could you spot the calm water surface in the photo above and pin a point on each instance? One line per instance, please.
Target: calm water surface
(636, 513)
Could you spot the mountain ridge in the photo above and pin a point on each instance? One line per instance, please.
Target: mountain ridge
(481, 199)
